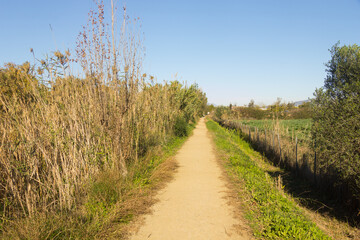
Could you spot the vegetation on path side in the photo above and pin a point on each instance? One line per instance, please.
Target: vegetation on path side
(271, 214)
(76, 150)
(112, 203)
(336, 126)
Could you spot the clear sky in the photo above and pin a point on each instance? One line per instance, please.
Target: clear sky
(236, 50)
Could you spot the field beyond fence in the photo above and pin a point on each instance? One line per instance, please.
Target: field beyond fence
(286, 147)
(289, 145)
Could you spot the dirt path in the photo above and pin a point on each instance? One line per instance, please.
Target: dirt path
(193, 205)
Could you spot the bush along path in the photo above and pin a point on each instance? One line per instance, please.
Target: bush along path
(270, 213)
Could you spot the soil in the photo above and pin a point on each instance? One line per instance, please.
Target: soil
(195, 204)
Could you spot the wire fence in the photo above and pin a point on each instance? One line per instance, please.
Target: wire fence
(297, 154)
(289, 152)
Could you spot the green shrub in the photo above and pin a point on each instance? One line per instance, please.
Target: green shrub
(220, 111)
(180, 127)
(104, 192)
(336, 127)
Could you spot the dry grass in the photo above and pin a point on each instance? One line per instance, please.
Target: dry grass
(333, 227)
(67, 141)
(136, 203)
(136, 199)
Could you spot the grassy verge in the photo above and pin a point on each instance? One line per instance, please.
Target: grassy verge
(271, 214)
(110, 203)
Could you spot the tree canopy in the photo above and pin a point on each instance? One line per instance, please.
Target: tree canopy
(336, 127)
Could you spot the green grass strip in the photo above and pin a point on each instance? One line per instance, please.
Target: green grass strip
(271, 214)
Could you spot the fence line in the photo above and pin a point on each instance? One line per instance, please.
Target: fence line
(299, 156)
(283, 152)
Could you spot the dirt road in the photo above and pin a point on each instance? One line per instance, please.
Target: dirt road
(193, 205)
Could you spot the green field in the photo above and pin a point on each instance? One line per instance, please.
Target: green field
(293, 127)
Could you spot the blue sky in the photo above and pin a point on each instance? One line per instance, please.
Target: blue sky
(235, 50)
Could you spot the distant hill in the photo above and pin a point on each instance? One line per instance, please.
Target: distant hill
(298, 103)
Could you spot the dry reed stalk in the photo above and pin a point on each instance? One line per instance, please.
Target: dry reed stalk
(55, 138)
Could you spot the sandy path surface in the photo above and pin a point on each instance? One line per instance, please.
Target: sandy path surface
(193, 205)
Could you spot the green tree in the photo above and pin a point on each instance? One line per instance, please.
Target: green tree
(336, 127)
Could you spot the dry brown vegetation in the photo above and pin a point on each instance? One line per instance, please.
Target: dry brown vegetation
(67, 140)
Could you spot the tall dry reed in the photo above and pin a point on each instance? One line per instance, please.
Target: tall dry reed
(59, 131)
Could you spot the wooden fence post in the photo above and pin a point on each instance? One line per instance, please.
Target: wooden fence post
(296, 155)
(315, 164)
(278, 137)
(255, 133)
(265, 141)
(249, 133)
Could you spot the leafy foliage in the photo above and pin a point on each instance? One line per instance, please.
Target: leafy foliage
(336, 127)
(181, 127)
